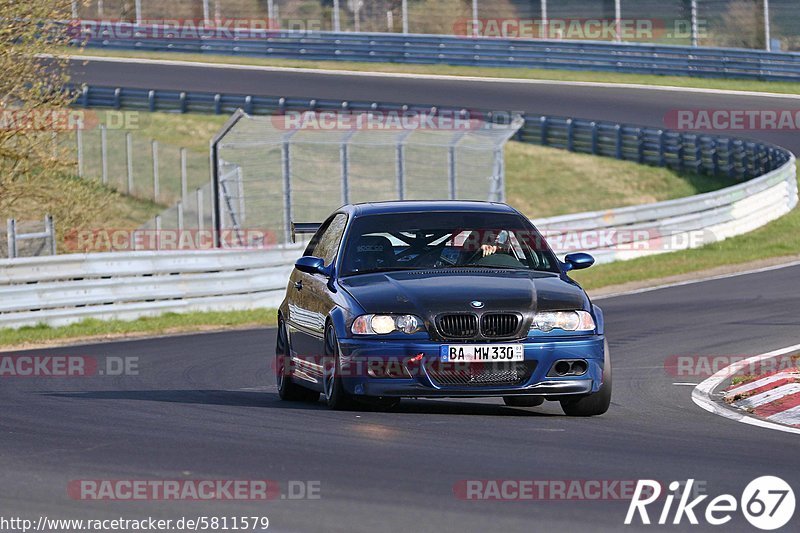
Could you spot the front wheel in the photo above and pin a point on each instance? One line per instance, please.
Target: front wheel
(287, 389)
(336, 397)
(596, 403)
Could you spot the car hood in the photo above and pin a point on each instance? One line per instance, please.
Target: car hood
(428, 293)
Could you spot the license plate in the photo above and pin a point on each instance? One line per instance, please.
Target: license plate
(481, 353)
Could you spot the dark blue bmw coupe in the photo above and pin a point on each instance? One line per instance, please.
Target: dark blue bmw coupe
(439, 299)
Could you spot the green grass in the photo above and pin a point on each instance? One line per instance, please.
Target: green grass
(776, 239)
(518, 73)
(166, 323)
(543, 182)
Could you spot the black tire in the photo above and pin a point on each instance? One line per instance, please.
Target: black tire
(523, 401)
(592, 404)
(287, 389)
(335, 395)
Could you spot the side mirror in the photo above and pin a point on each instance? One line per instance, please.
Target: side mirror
(577, 261)
(311, 265)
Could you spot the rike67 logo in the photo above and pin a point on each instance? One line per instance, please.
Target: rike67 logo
(767, 503)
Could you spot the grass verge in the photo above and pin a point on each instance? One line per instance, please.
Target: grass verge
(93, 330)
(449, 70)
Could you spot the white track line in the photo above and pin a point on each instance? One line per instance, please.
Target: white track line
(370, 74)
(702, 394)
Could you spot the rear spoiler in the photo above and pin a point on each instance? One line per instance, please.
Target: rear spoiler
(304, 227)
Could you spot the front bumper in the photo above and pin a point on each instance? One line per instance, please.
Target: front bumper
(541, 354)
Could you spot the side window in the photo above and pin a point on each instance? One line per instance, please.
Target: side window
(325, 244)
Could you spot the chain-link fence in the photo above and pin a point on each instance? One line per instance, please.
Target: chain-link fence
(275, 170)
(136, 166)
(739, 23)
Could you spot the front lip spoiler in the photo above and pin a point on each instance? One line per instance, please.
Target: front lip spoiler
(417, 390)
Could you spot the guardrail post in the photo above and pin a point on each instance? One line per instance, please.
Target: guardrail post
(618, 147)
(156, 185)
(286, 166)
(714, 158)
(11, 236)
(543, 134)
(248, 104)
(50, 229)
(182, 100)
(85, 96)
(570, 135)
(662, 161)
(639, 146)
(217, 104)
(117, 98)
(129, 160)
(104, 154)
(151, 100)
(594, 137)
(729, 159)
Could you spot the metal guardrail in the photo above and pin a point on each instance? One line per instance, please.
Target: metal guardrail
(703, 153)
(634, 58)
(64, 289)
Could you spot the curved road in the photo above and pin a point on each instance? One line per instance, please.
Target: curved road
(205, 407)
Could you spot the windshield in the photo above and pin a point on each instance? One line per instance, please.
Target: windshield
(410, 241)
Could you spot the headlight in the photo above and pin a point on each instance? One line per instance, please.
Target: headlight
(384, 324)
(566, 320)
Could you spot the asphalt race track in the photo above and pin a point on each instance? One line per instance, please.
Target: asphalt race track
(644, 107)
(205, 406)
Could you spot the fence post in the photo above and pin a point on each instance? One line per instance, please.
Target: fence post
(344, 159)
(336, 26)
(79, 138)
(138, 11)
(475, 18)
(104, 154)
(400, 169)
(11, 235)
(207, 12)
(50, 229)
(158, 231)
(767, 27)
(694, 23)
(179, 207)
(286, 167)
(156, 187)
(618, 20)
(543, 29)
(200, 215)
(500, 166)
(129, 160)
(404, 9)
(451, 170)
(184, 184)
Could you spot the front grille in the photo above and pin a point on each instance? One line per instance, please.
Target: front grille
(458, 326)
(496, 325)
(481, 374)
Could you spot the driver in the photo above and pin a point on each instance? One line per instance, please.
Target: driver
(486, 241)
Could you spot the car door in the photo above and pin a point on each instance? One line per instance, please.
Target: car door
(311, 300)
